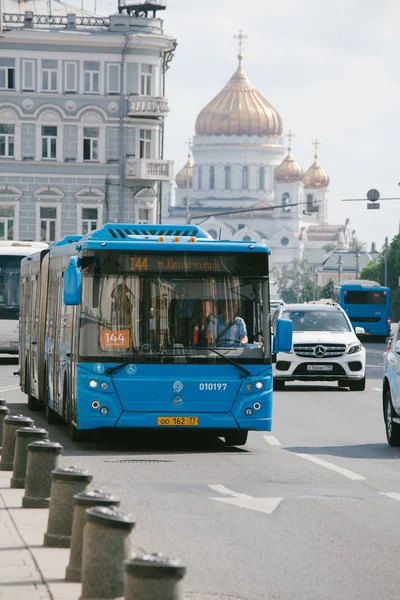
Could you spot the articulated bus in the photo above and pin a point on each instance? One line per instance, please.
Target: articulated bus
(156, 326)
(11, 254)
(367, 305)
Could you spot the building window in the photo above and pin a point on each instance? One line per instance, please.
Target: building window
(310, 203)
(49, 142)
(245, 178)
(113, 79)
(143, 215)
(261, 178)
(200, 175)
(7, 133)
(145, 143)
(70, 77)
(49, 75)
(285, 202)
(228, 175)
(90, 143)
(7, 78)
(6, 223)
(145, 79)
(28, 75)
(212, 178)
(91, 77)
(90, 220)
(48, 221)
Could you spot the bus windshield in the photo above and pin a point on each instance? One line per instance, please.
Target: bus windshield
(171, 318)
(365, 297)
(10, 272)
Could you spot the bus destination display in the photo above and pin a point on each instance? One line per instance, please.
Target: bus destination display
(177, 263)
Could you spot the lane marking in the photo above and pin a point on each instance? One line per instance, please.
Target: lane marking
(331, 466)
(374, 366)
(264, 505)
(377, 389)
(272, 440)
(393, 495)
(8, 389)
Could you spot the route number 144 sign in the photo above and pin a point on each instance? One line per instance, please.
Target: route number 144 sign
(114, 338)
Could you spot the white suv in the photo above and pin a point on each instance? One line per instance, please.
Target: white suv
(325, 347)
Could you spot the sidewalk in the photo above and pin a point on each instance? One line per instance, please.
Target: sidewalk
(28, 570)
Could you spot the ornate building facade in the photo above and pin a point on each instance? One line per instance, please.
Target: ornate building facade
(244, 184)
(82, 109)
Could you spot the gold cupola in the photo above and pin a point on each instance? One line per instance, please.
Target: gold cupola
(185, 174)
(315, 177)
(288, 170)
(239, 109)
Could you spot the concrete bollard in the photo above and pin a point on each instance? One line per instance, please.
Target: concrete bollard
(153, 576)
(66, 482)
(43, 459)
(11, 424)
(23, 437)
(106, 544)
(4, 412)
(82, 501)
(3, 401)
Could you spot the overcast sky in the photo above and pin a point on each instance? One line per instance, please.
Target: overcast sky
(331, 69)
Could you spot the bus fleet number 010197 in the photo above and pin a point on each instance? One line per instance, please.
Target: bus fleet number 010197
(209, 387)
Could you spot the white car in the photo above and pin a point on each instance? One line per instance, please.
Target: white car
(391, 389)
(325, 347)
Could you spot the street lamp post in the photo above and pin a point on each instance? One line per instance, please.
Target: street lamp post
(357, 264)
(340, 266)
(386, 247)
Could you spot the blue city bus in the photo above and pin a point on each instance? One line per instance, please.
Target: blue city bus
(153, 326)
(367, 305)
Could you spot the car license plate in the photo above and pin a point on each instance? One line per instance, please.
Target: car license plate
(320, 368)
(178, 421)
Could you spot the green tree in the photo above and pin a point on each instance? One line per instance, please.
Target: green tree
(327, 290)
(329, 247)
(373, 271)
(295, 281)
(356, 245)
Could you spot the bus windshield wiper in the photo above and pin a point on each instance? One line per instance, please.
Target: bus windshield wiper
(229, 360)
(111, 370)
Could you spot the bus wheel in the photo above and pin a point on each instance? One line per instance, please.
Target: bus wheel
(34, 404)
(51, 416)
(236, 438)
(76, 435)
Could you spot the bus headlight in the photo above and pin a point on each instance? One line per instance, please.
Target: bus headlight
(353, 348)
(259, 385)
(248, 412)
(93, 383)
(95, 404)
(104, 386)
(104, 410)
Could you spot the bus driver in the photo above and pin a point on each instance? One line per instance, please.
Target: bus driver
(231, 329)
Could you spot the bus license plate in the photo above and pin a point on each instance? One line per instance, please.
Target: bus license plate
(178, 421)
(323, 368)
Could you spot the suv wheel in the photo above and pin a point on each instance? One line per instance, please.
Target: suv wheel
(357, 386)
(392, 428)
(279, 384)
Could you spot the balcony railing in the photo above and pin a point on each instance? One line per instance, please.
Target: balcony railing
(147, 106)
(150, 170)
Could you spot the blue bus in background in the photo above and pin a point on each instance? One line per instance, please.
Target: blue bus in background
(150, 326)
(367, 305)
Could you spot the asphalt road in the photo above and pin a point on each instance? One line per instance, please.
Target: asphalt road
(307, 511)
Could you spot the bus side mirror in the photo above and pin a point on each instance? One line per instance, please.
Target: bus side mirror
(72, 283)
(283, 338)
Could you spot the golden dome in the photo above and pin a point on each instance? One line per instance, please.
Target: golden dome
(181, 178)
(239, 109)
(288, 170)
(315, 177)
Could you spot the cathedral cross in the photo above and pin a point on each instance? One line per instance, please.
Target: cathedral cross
(290, 135)
(189, 145)
(240, 36)
(316, 143)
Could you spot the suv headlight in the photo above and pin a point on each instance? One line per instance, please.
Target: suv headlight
(353, 348)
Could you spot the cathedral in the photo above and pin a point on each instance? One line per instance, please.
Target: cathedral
(244, 184)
